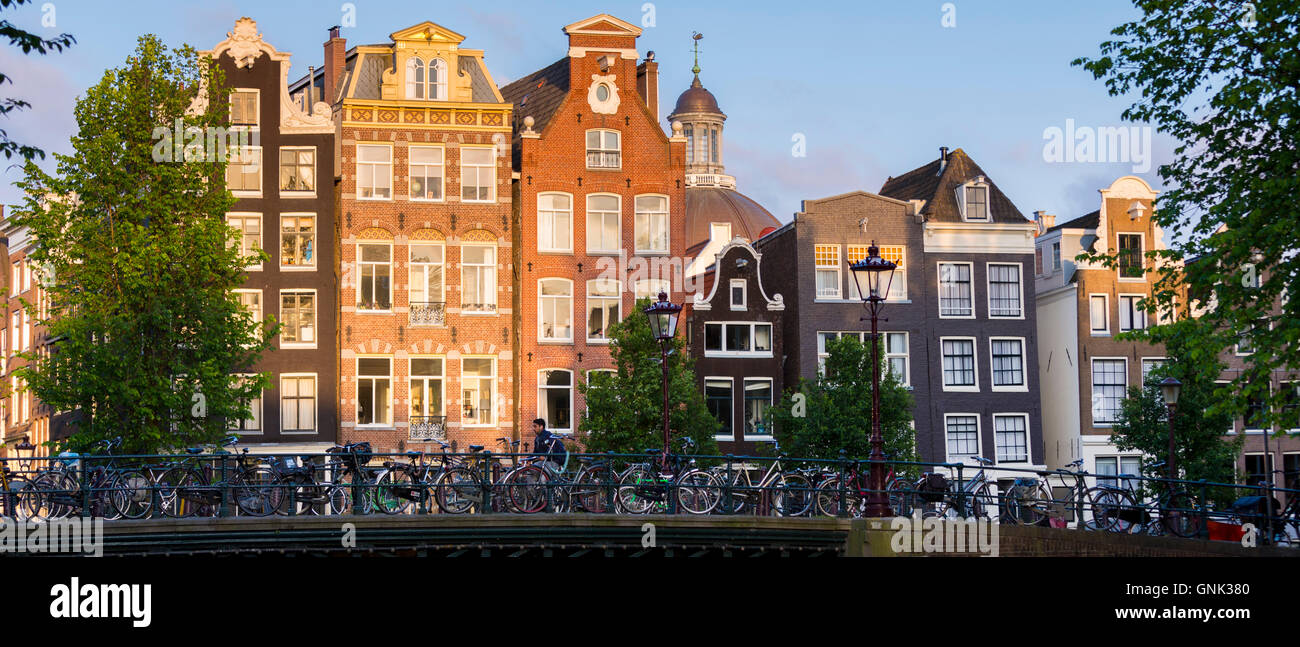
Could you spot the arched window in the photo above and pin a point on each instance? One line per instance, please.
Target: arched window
(438, 79)
(414, 78)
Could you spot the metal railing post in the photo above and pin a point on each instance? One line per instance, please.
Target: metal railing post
(1204, 529)
(842, 508)
(726, 487)
(610, 483)
(486, 484)
(85, 486)
(961, 491)
(224, 510)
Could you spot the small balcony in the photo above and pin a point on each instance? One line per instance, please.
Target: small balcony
(604, 159)
(428, 313)
(426, 428)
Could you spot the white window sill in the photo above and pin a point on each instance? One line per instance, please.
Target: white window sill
(297, 268)
(491, 201)
(478, 313)
(297, 194)
(246, 194)
(299, 432)
(1098, 333)
(961, 389)
(293, 346)
(1020, 316)
(555, 342)
(740, 354)
(556, 252)
(969, 316)
(363, 311)
(603, 252)
(374, 199)
(428, 200)
(1010, 389)
(601, 342)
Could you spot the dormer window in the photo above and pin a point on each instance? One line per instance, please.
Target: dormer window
(975, 201)
(426, 80)
(603, 149)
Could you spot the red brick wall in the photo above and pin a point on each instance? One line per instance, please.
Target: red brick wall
(556, 161)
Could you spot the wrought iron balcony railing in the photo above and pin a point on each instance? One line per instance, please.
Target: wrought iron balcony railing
(603, 159)
(428, 313)
(429, 428)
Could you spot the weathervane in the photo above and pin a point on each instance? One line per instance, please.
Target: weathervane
(697, 36)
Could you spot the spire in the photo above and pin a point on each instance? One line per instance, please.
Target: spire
(696, 68)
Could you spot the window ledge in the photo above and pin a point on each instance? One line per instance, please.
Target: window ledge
(555, 342)
(297, 194)
(297, 268)
(1010, 389)
(961, 389)
(363, 311)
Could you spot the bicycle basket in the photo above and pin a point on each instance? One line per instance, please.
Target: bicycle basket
(1025, 481)
(932, 487)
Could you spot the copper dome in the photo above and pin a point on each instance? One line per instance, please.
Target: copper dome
(696, 99)
(706, 205)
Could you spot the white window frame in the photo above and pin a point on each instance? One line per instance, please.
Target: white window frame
(315, 311)
(731, 389)
(410, 170)
(1024, 367)
(1268, 410)
(744, 408)
(392, 395)
(412, 266)
(374, 170)
(617, 299)
(939, 286)
(1142, 372)
(543, 411)
(542, 304)
(1092, 387)
(1057, 263)
(1020, 288)
(819, 267)
(411, 377)
(964, 192)
(643, 288)
(547, 242)
(1029, 448)
(1134, 311)
(1142, 259)
(261, 235)
(602, 151)
(753, 328)
(1105, 299)
(315, 407)
(296, 193)
(359, 263)
(315, 241)
(744, 294)
(257, 408)
(906, 378)
(618, 224)
(651, 216)
(979, 434)
(490, 272)
(491, 168)
(975, 365)
(492, 416)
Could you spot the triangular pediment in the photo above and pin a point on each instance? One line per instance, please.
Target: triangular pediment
(605, 25)
(427, 32)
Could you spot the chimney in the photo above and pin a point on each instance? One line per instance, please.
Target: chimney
(336, 49)
(647, 83)
(311, 89)
(1044, 221)
(943, 158)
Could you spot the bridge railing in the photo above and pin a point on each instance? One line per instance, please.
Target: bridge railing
(220, 484)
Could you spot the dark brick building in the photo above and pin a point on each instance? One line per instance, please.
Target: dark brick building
(960, 329)
(735, 335)
(285, 205)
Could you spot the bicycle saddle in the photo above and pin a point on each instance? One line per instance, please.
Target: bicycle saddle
(193, 450)
(475, 448)
(414, 454)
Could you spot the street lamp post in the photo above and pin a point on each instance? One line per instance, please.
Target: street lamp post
(871, 274)
(1169, 388)
(26, 451)
(663, 323)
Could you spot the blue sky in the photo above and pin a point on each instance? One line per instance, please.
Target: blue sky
(875, 87)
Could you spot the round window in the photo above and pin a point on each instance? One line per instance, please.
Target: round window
(602, 92)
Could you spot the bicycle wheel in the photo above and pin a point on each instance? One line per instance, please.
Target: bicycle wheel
(1026, 505)
(457, 490)
(697, 492)
(255, 492)
(390, 486)
(901, 497)
(131, 494)
(1179, 515)
(828, 499)
(639, 490)
(1102, 509)
(177, 489)
(592, 488)
(40, 501)
(793, 496)
(526, 488)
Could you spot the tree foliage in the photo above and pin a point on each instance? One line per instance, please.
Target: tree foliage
(138, 266)
(1223, 80)
(1201, 450)
(28, 43)
(625, 408)
(836, 410)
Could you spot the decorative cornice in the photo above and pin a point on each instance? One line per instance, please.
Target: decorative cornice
(244, 44)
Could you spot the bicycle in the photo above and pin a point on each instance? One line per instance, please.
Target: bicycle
(784, 493)
(1174, 506)
(186, 487)
(643, 489)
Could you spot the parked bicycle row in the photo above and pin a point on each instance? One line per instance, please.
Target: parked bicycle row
(352, 479)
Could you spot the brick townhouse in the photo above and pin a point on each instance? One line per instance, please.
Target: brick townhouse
(284, 205)
(600, 202)
(22, 416)
(960, 329)
(424, 209)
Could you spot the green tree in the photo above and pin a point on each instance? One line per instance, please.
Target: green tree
(836, 409)
(28, 43)
(625, 408)
(1200, 447)
(1223, 80)
(138, 266)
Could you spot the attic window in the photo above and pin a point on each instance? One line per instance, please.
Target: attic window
(974, 201)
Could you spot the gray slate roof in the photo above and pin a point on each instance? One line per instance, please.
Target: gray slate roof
(939, 190)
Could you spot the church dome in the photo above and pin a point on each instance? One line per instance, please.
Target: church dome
(696, 99)
(707, 205)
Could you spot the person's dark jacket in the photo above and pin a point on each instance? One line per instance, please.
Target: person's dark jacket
(550, 445)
